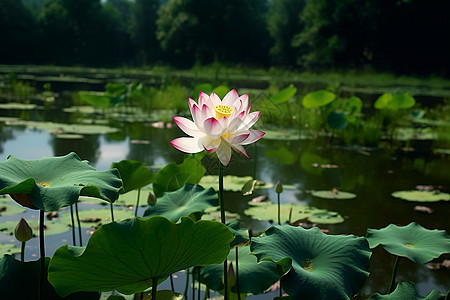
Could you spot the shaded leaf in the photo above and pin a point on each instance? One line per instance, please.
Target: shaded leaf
(421, 196)
(407, 290)
(134, 174)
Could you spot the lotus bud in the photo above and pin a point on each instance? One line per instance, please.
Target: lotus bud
(151, 199)
(23, 231)
(278, 187)
(231, 276)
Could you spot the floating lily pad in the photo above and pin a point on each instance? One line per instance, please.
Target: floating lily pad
(96, 217)
(316, 265)
(213, 214)
(412, 241)
(19, 106)
(333, 194)
(322, 216)
(65, 128)
(126, 256)
(285, 134)
(231, 182)
(173, 177)
(9, 249)
(421, 196)
(254, 277)
(83, 109)
(50, 183)
(183, 202)
(407, 290)
(130, 198)
(409, 133)
(51, 227)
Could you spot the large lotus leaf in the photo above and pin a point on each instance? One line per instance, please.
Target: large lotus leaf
(333, 194)
(240, 235)
(183, 202)
(318, 98)
(20, 280)
(317, 266)
(126, 255)
(407, 290)
(269, 211)
(51, 227)
(134, 174)
(254, 277)
(412, 241)
(52, 182)
(231, 182)
(284, 95)
(96, 217)
(421, 196)
(173, 177)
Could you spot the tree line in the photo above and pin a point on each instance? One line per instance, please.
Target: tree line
(403, 36)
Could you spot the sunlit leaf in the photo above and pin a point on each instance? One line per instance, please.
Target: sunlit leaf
(134, 174)
(50, 183)
(95, 98)
(333, 194)
(126, 255)
(318, 98)
(231, 182)
(316, 265)
(221, 91)
(394, 101)
(412, 241)
(284, 95)
(421, 196)
(183, 202)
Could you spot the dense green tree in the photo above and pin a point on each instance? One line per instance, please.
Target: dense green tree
(143, 30)
(18, 32)
(283, 23)
(204, 31)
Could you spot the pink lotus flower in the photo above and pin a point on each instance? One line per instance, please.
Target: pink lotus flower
(218, 126)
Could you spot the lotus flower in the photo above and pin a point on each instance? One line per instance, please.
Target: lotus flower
(218, 126)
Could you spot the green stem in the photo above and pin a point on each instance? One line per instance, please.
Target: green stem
(237, 275)
(186, 285)
(73, 225)
(154, 287)
(137, 202)
(394, 273)
(279, 219)
(222, 219)
(112, 212)
(199, 284)
(171, 283)
(22, 252)
(42, 249)
(193, 283)
(79, 224)
(448, 294)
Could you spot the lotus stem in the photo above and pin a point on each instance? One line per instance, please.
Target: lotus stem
(79, 224)
(137, 202)
(73, 225)
(193, 283)
(237, 275)
(199, 284)
(279, 218)
(42, 250)
(187, 284)
(171, 283)
(22, 252)
(448, 294)
(112, 211)
(154, 287)
(222, 218)
(394, 273)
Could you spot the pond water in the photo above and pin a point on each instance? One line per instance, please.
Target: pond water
(302, 166)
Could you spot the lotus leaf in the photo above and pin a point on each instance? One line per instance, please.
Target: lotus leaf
(412, 241)
(51, 227)
(240, 235)
(213, 214)
(134, 174)
(283, 155)
(183, 202)
(254, 277)
(333, 194)
(50, 183)
(69, 136)
(96, 217)
(18, 106)
(315, 265)
(231, 183)
(66, 128)
(394, 101)
(318, 98)
(322, 216)
(337, 120)
(173, 177)
(126, 256)
(95, 98)
(15, 275)
(285, 134)
(284, 95)
(421, 196)
(407, 290)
